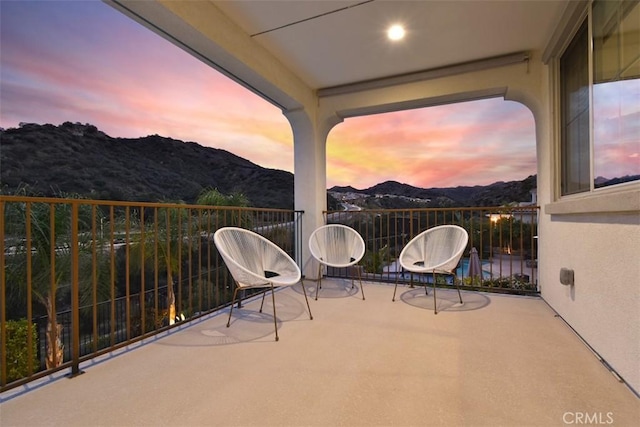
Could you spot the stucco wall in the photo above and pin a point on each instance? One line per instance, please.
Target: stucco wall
(604, 304)
(598, 236)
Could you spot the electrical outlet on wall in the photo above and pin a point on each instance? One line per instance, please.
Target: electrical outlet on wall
(566, 276)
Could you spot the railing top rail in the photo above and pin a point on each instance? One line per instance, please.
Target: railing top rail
(466, 208)
(123, 203)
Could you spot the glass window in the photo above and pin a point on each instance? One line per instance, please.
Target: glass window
(574, 78)
(616, 92)
(610, 119)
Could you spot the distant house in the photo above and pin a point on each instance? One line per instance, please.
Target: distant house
(27, 125)
(527, 216)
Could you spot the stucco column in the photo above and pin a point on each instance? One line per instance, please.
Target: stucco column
(310, 176)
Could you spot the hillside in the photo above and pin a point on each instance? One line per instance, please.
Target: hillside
(77, 158)
(81, 159)
(495, 194)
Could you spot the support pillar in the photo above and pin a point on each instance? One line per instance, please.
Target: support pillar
(310, 176)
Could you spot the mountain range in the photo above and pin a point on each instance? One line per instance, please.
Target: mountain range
(78, 158)
(392, 194)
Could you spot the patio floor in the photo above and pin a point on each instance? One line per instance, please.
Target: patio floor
(497, 360)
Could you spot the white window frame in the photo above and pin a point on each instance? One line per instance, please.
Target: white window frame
(618, 198)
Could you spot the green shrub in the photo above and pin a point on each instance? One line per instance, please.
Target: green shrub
(17, 351)
(514, 283)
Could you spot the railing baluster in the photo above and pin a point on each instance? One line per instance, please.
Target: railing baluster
(112, 258)
(94, 277)
(3, 297)
(127, 270)
(75, 292)
(143, 288)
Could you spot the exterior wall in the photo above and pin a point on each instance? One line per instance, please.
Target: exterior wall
(597, 235)
(604, 304)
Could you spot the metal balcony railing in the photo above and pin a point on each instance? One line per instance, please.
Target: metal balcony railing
(80, 278)
(505, 239)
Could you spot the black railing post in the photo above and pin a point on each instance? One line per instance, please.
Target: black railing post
(297, 235)
(3, 314)
(75, 293)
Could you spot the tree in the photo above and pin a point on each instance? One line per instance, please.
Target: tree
(374, 261)
(213, 197)
(166, 233)
(159, 242)
(44, 267)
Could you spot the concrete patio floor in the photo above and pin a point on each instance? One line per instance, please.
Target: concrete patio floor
(497, 360)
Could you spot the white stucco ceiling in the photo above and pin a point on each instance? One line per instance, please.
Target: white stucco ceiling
(333, 43)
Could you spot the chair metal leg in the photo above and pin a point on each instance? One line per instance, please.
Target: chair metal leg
(304, 291)
(458, 287)
(360, 279)
(263, 295)
(395, 288)
(233, 300)
(435, 307)
(319, 282)
(275, 319)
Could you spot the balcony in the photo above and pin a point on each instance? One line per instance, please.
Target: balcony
(496, 360)
(141, 299)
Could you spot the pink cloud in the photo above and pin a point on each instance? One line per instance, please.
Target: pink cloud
(109, 71)
(459, 144)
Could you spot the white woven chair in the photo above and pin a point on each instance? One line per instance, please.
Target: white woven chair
(438, 251)
(256, 262)
(338, 246)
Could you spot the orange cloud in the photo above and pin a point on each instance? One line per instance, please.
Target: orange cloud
(459, 144)
(81, 70)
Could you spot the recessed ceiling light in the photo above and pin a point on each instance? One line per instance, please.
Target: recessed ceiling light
(395, 32)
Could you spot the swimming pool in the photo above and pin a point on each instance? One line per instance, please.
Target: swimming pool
(463, 269)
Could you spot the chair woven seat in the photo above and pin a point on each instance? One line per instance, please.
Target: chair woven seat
(256, 262)
(338, 246)
(437, 251)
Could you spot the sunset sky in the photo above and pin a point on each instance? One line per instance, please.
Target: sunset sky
(83, 61)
